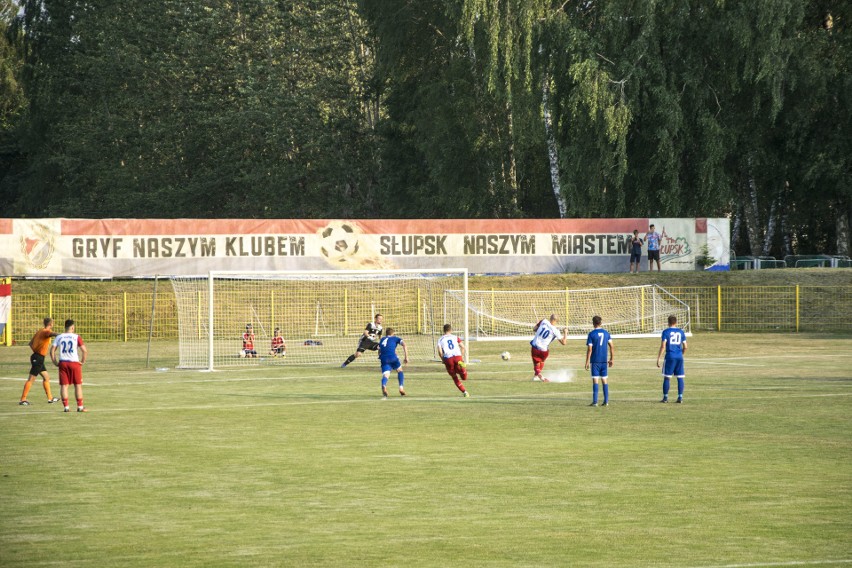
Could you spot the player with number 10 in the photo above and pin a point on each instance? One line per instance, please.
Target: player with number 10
(545, 333)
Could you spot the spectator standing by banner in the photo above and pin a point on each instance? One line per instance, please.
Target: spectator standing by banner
(653, 238)
(635, 251)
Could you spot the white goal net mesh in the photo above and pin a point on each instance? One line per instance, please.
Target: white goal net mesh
(321, 315)
(634, 311)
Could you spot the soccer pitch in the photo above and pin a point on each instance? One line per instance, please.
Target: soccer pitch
(307, 466)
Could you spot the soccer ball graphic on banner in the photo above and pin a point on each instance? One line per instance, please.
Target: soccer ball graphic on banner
(339, 241)
(505, 355)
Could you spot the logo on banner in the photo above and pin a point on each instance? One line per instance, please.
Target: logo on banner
(339, 242)
(343, 244)
(673, 248)
(38, 245)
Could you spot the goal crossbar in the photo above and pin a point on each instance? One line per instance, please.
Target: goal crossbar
(320, 314)
(632, 311)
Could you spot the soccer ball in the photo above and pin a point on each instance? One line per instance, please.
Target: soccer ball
(242, 353)
(339, 241)
(505, 355)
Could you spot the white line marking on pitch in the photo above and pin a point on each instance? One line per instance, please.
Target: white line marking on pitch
(717, 362)
(790, 563)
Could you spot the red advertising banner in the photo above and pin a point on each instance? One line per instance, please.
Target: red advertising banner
(101, 248)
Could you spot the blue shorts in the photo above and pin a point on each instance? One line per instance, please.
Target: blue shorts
(391, 365)
(673, 367)
(599, 370)
(635, 256)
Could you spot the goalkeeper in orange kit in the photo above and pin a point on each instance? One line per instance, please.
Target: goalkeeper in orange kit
(39, 344)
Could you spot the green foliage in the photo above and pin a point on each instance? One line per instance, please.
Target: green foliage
(198, 109)
(431, 109)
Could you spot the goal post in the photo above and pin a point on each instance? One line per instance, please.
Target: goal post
(320, 314)
(632, 311)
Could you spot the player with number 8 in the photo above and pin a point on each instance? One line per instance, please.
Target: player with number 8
(451, 350)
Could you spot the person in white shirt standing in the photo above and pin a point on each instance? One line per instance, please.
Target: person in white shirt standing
(545, 333)
(69, 354)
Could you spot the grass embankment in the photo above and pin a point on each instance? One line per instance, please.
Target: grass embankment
(787, 277)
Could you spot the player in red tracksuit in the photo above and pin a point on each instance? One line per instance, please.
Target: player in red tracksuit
(248, 341)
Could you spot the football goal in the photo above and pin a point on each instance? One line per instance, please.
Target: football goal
(633, 311)
(320, 314)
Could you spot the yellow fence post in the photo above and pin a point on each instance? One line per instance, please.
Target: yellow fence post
(125, 317)
(642, 310)
(419, 329)
(567, 321)
(797, 308)
(7, 332)
(272, 309)
(346, 311)
(492, 311)
(50, 305)
(719, 308)
(198, 315)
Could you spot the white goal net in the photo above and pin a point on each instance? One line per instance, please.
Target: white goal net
(633, 311)
(321, 315)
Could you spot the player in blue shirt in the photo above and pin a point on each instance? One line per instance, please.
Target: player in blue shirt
(390, 361)
(599, 343)
(674, 343)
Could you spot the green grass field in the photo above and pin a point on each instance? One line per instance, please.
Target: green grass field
(293, 466)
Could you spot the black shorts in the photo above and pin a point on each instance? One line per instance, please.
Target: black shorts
(37, 364)
(654, 255)
(635, 257)
(367, 343)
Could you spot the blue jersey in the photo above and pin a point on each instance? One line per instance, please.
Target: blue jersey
(599, 340)
(674, 338)
(387, 348)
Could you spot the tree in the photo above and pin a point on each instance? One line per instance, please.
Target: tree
(196, 109)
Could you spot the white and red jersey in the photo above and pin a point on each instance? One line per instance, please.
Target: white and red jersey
(277, 342)
(248, 341)
(67, 346)
(545, 333)
(450, 345)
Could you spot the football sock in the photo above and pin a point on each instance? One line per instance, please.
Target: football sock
(595, 393)
(401, 377)
(27, 386)
(46, 385)
(79, 403)
(606, 393)
(65, 402)
(384, 381)
(665, 387)
(458, 384)
(349, 359)
(679, 387)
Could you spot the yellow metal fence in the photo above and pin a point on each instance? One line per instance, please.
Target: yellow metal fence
(128, 316)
